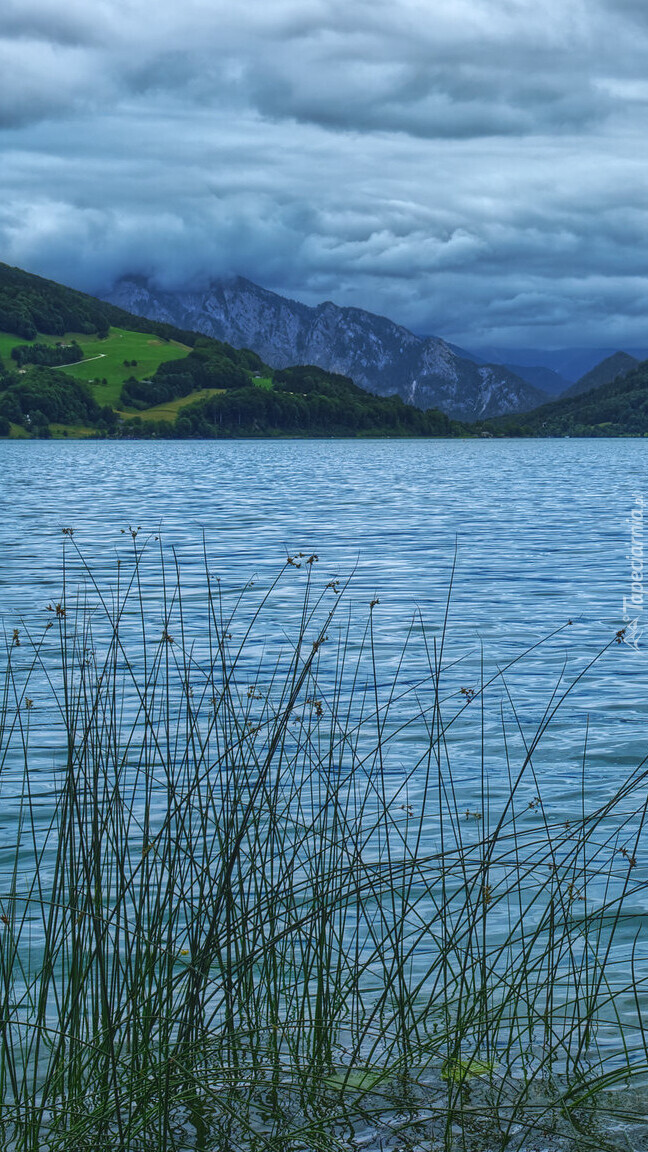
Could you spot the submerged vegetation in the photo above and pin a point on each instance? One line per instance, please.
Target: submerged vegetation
(248, 906)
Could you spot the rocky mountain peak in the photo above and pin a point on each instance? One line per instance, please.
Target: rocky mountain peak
(378, 354)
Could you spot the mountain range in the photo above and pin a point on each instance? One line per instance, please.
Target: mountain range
(568, 365)
(617, 365)
(72, 365)
(147, 377)
(377, 354)
(609, 403)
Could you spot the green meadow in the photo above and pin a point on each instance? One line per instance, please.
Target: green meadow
(170, 410)
(104, 358)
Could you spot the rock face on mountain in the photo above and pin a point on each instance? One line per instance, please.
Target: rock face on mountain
(376, 353)
(618, 364)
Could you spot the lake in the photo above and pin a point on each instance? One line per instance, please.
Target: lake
(538, 533)
(540, 527)
(527, 545)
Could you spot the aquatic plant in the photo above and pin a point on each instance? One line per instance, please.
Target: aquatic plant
(246, 904)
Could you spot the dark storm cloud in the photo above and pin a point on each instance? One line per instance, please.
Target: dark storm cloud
(430, 70)
(471, 167)
(67, 24)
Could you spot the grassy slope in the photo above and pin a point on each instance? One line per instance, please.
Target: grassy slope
(46, 304)
(120, 345)
(7, 342)
(170, 410)
(125, 347)
(104, 359)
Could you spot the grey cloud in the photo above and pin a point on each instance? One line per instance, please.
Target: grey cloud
(480, 69)
(39, 81)
(71, 24)
(474, 170)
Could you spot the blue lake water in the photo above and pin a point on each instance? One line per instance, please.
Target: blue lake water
(535, 537)
(540, 529)
(538, 533)
(540, 525)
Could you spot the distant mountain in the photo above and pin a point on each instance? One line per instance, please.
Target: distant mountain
(546, 379)
(374, 352)
(541, 377)
(616, 408)
(618, 364)
(178, 385)
(569, 363)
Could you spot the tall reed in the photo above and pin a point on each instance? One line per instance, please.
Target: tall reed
(245, 905)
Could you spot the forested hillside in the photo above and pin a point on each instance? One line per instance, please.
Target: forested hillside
(73, 365)
(307, 401)
(30, 305)
(619, 408)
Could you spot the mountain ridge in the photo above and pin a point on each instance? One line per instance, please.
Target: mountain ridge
(378, 354)
(618, 364)
(571, 362)
(617, 407)
(146, 381)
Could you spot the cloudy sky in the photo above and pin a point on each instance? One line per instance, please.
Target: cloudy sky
(476, 169)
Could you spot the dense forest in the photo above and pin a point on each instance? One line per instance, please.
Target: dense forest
(46, 396)
(31, 305)
(307, 401)
(303, 402)
(616, 409)
(211, 364)
(53, 355)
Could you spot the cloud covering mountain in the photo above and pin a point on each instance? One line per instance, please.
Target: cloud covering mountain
(473, 168)
(377, 354)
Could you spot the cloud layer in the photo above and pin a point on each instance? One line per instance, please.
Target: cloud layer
(472, 168)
